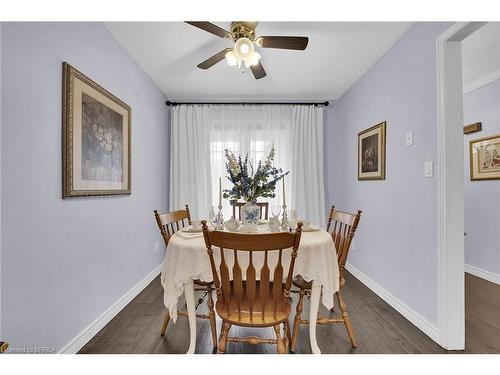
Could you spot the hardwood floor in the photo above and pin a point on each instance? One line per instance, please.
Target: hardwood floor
(379, 328)
(482, 311)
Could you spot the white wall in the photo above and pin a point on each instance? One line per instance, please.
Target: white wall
(64, 262)
(482, 198)
(396, 243)
(481, 53)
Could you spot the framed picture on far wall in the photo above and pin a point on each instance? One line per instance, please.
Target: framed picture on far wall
(96, 139)
(484, 155)
(371, 153)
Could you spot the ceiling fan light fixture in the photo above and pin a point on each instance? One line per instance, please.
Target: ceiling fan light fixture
(253, 59)
(231, 58)
(243, 48)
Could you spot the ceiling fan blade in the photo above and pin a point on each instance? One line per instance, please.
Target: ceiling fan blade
(211, 61)
(284, 42)
(211, 28)
(258, 71)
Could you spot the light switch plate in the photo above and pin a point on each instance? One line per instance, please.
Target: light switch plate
(428, 169)
(409, 138)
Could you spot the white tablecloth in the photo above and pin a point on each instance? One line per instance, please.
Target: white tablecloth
(187, 259)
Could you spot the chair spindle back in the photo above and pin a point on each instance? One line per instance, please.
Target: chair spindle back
(256, 297)
(342, 226)
(171, 222)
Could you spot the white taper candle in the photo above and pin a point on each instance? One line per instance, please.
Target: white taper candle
(284, 200)
(220, 192)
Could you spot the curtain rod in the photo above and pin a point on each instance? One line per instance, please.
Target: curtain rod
(173, 104)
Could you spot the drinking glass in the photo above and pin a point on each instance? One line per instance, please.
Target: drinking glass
(212, 217)
(276, 210)
(292, 218)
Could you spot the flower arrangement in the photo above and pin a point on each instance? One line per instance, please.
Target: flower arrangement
(248, 183)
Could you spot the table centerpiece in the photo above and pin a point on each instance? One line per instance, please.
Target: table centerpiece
(250, 184)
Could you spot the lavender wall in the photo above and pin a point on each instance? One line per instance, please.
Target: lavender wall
(482, 198)
(64, 262)
(396, 244)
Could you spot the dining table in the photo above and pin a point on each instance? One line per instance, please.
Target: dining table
(186, 260)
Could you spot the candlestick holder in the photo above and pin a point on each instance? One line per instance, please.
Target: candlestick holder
(219, 220)
(284, 222)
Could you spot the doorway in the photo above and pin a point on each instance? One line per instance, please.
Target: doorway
(481, 120)
(450, 177)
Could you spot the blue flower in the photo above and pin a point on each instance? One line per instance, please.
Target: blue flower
(258, 183)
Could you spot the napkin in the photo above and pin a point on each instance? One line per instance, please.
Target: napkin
(187, 235)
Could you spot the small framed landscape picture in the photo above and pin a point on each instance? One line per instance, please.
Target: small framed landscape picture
(371, 153)
(484, 154)
(96, 139)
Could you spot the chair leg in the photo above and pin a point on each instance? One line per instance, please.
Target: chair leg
(288, 336)
(296, 321)
(347, 319)
(211, 315)
(281, 345)
(221, 349)
(165, 323)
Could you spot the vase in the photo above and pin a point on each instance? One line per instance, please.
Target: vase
(250, 214)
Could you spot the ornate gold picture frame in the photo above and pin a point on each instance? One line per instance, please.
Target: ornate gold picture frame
(96, 132)
(484, 156)
(371, 153)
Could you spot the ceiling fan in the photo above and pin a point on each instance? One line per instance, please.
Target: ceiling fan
(245, 40)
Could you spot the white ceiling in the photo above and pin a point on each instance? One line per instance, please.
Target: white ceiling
(481, 52)
(337, 55)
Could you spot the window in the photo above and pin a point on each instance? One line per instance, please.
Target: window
(256, 141)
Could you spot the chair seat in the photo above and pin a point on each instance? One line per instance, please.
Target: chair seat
(202, 283)
(245, 319)
(300, 283)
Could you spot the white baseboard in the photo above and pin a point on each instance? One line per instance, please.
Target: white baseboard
(483, 274)
(83, 337)
(416, 319)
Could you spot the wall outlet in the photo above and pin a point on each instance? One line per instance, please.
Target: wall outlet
(409, 138)
(157, 247)
(428, 169)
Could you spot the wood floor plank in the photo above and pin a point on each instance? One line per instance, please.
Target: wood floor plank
(378, 327)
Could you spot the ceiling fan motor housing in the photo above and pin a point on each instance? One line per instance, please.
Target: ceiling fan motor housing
(240, 29)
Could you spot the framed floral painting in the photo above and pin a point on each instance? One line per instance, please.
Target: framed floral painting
(96, 139)
(484, 155)
(371, 153)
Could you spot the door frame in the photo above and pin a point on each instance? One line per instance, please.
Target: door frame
(450, 184)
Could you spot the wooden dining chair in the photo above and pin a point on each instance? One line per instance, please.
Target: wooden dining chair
(169, 223)
(244, 300)
(342, 227)
(263, 210)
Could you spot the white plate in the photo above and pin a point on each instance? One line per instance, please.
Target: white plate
(311, 228)
(192, 230)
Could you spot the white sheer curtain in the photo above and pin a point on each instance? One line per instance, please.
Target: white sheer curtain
(190, 180)
(200, 133)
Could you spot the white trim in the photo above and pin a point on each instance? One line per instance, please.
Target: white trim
(450, 187)
(83, 337)
(483, 274)
(482, 81)
(415, 318)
